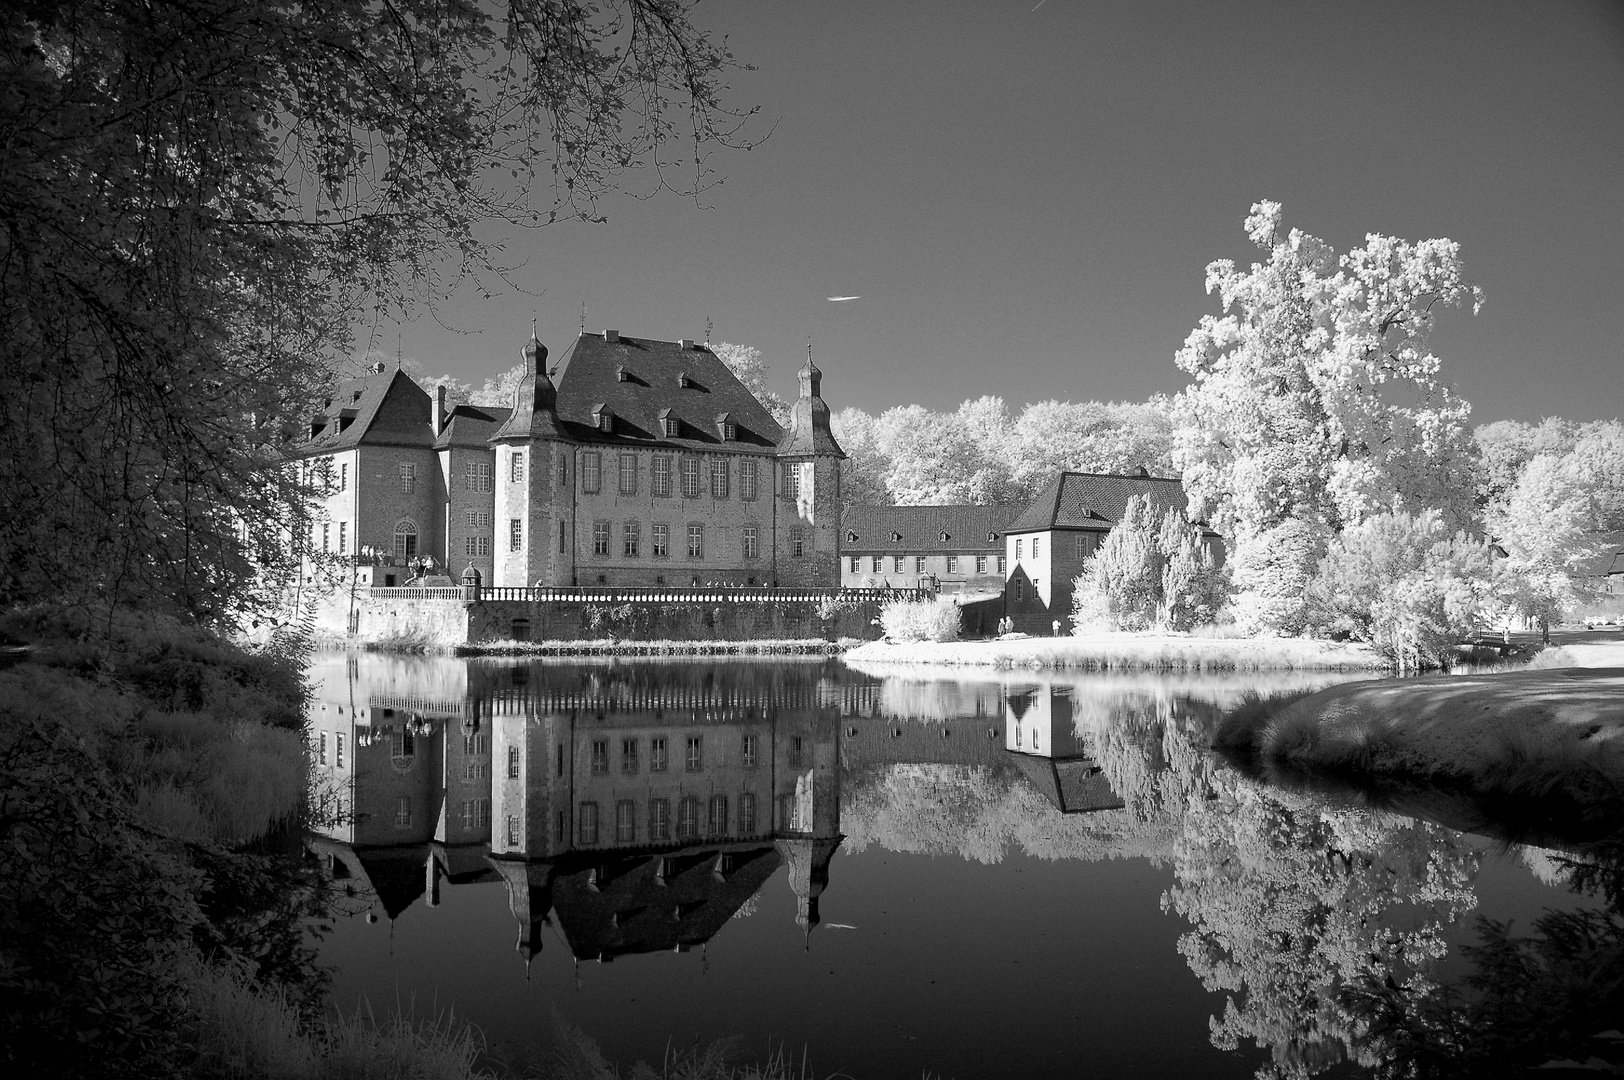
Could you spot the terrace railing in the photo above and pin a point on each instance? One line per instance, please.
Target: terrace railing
(602, 594)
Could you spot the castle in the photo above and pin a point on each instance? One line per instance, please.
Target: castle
(628, 462)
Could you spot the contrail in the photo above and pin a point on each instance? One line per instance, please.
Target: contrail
(838, 299)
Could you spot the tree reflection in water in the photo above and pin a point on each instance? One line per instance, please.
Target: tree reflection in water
(1547, 998)
(1321, 912)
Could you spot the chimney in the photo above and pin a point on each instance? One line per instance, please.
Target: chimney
(686, 343)
(611, 335)
(437, 417)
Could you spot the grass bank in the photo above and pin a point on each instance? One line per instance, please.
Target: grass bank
(1553, 731)
(1130, 652)
(246, 1032)
(151, 778)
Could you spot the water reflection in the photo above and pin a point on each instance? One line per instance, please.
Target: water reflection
(640, 807)
(636, 808)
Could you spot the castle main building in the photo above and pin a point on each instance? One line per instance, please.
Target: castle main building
(627, 462)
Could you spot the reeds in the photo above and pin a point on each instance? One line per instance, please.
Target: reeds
(244, 1032)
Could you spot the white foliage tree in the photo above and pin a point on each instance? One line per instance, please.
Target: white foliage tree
(863, 473)
(1315, 403)
(1545, 529)
(1089, 436)
(935, 459)
(746, 364)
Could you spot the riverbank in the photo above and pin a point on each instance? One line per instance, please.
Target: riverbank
(1543, 732)
(1129, 652)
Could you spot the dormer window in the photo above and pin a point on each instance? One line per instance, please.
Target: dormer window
(683, 381)
(602, 418)
(670, 426)
(622, 375)
(729, 430)
(316, 424)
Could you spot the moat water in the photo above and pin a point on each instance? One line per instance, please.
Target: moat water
(1006, 876)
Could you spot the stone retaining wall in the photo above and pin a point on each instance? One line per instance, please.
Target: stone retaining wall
(444, 622)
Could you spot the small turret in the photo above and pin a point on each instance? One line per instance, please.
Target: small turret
(535, 400)
(809, 432)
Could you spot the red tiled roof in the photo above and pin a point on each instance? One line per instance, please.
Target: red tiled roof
(922, 528)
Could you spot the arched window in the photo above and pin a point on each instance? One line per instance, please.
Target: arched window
(406, 539)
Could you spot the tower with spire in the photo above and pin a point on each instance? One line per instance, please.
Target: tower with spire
(807, 533)
(533, 462)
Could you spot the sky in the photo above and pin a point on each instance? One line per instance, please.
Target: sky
(1025, 195)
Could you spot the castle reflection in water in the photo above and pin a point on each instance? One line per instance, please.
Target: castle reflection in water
(635, 806)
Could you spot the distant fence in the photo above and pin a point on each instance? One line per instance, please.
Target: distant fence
(655, 595)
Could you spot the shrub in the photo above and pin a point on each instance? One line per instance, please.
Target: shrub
(94, 912)
(1148, 574)
(920, 620)
(1403, 583)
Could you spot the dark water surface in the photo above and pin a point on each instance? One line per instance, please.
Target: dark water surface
(974, 878)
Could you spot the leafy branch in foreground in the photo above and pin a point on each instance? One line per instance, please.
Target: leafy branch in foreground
(199, 199)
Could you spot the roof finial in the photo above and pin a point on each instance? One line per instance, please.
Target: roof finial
(583, 316)
(397, 347)
(809, 348)
(707, 329)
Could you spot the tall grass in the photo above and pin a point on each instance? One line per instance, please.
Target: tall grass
(205, 778)
(245, 1032)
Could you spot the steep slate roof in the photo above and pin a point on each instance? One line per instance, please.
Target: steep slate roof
(471, 426)
(630, 910)
(1095, 501)
(1073, 785)
(398, 875)
(587, 375)
(869, 528)
(385, 408)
